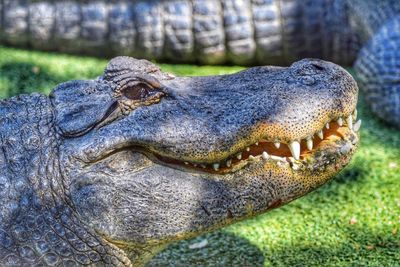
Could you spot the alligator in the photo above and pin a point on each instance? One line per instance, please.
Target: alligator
(109, 171)
(242, 32)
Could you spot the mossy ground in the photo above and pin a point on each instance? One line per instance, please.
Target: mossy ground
(354, 220)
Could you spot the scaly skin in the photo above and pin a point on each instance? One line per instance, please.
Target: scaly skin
(206, 31)
(223, 31)
(377, 64)
(95, 173)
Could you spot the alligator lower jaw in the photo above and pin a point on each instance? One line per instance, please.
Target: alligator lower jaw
(329, 137)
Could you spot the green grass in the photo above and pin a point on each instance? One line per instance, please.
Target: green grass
(354, 220)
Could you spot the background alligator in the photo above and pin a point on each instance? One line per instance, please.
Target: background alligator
(224, 31)
(108, 171)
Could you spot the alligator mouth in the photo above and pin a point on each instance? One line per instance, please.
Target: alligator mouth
(301, 151)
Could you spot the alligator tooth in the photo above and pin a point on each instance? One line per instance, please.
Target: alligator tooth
(229, 163)
(203, 166)
(320, 134)
(355, 113)
(247, 148)
(239, 156)
(251, 158)
(186, 163)
(278, 158)
(327, 125)
(216, 166)
(194, 164)
(349, 121)
(281, 164)
(256, 144)
(295, 149)
(340, 121)
(277, 145)
(295, 167)
(309, 143)
(264, 155)
(357, 126)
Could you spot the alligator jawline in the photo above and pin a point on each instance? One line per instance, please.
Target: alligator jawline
(255, 151)
(282, 154)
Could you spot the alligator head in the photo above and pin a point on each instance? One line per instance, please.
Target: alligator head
(149, 158)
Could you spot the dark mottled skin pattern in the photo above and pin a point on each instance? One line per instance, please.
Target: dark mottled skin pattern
(80, 186)
(223, 31)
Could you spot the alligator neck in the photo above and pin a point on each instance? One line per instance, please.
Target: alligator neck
(38, 224)
(28, 149)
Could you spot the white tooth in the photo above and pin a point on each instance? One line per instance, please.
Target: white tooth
(357, 126)
(340, 121)
(309, 143)
(203, 166)
(295, 167)
(265, 155)
(277, 145)
(256, 143)
(229, 163)
(349, 121)
(251, 158)
(278, 158)
(239, 156)
(295, 149)
(187, 163)
(327, 125)
(216, 166)
(247, 148)
(355, 113)
(281, 164)
(320, 134)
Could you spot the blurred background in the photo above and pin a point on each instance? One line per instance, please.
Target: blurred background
(354, 220)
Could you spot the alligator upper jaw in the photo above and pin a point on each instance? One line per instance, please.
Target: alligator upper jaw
(210, 120)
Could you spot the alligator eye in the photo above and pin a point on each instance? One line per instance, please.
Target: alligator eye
(138, 91)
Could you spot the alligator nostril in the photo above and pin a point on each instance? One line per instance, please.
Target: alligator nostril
(318, 67)
(307, 80)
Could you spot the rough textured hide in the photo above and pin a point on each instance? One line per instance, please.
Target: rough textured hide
(246, 32)
(94, 174)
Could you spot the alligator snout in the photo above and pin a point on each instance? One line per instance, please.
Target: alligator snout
(213, 118)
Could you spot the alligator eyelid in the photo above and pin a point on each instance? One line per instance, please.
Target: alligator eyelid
(147, 79)
(130, 77)
(154, 83)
